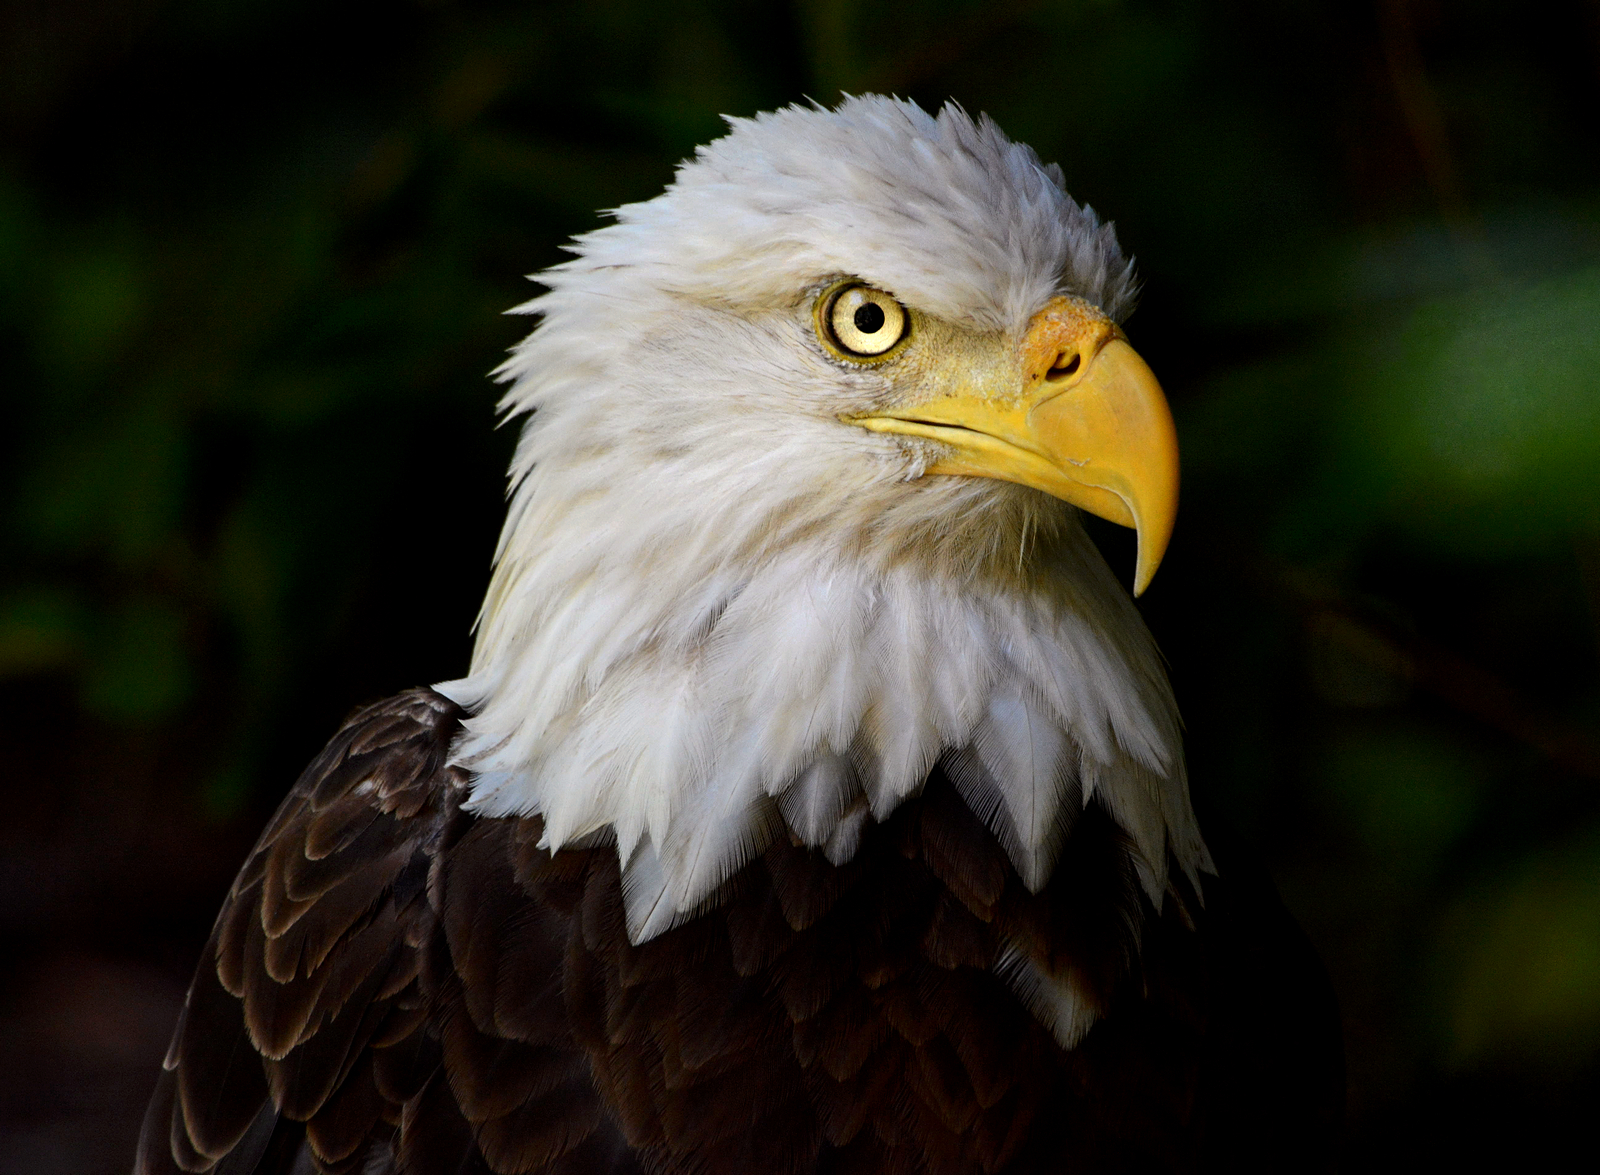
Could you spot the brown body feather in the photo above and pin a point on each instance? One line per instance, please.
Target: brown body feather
(396, 985)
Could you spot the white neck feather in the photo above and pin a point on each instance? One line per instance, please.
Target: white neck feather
(695, 698)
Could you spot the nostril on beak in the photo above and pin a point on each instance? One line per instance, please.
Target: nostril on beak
(1066, 363)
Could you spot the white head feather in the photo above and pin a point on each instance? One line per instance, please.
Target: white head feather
(717, 609)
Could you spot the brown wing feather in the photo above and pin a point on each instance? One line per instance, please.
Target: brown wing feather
(305, 1005)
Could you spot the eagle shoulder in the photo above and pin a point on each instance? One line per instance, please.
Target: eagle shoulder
(382, 990)
(301, 1026)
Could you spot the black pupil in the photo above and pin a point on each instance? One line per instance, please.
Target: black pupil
(869, 318)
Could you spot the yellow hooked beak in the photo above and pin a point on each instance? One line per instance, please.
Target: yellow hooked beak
(1084, 420)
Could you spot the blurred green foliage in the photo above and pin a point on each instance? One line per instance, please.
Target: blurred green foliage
(252, 263)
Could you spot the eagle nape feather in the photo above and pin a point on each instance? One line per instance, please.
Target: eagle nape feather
(815, 802)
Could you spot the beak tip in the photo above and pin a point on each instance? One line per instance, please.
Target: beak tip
(1152, 549)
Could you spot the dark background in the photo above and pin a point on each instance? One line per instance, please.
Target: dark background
(252, 261)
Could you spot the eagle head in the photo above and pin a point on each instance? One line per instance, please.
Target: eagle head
(794, 515)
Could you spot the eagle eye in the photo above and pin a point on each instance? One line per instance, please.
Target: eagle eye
(860, 322)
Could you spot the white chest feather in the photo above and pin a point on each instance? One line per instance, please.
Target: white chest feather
(805, 697)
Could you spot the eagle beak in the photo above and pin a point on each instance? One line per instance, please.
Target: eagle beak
(1084, 420)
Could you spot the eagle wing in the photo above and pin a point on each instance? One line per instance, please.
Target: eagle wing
(313, 1021)
(301, 1026)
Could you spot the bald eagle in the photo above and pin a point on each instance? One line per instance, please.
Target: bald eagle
(816, 798)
